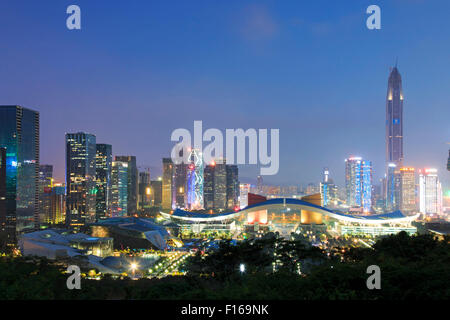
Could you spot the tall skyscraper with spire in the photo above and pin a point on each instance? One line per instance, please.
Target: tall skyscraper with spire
(394, 119)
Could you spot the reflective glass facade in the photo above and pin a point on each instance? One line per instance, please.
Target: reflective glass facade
(103, 163)
(80, 179)
(19, 136)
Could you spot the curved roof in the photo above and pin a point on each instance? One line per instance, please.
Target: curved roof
(392, 217)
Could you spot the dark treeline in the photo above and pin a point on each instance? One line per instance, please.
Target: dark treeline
(416, 267)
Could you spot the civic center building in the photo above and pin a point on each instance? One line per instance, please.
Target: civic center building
(285, 215)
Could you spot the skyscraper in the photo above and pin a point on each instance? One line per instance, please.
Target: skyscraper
(80, 179)
(328, 190)
(19, 137)
(103, 167)
(394, 119)
(358, 182)
(195, 181)
(132, 182)
(408, 190)
(179, 183)
(156, 189)
(119, 189)
(145, 192)
(393, 188)
(215, 186)
(448, 161)
(430, 192)
(232, 186)
(45, 187)
(167, 183)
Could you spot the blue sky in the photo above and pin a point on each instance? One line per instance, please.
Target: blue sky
(140, 69)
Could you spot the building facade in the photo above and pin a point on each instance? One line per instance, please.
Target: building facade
(408, 190)
(132, 182)
(19, 139)
(167, 183)
(430, 192)
(358, 182)
(394, 119)
(103, 168)
(119, 189)
(80, 179)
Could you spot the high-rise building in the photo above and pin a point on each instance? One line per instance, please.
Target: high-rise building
(119, 189)
(328, 190)
(45, 187)
(80, 179)
(103, 167)
(55, 205)
(394, 119)
(430, 192)
(179, 182)
(2, 195)
(393, 188)
(232, 186)
(156, 190)
(194, 181)
(19, 135)
(167, 183)
(215, 186)
(358, 182)
(448, 161)
(145, 191)
(259, 184)
(132, 182)
(408, 190)
(244, 189)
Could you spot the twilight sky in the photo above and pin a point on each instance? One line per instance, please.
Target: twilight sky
(140, 69)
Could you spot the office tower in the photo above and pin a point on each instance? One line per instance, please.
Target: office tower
(132, 182)
(45, 187)
(156, 190)
(167, 183)
(194, 181)
(54, 199)
(244, 189)
(430, 192)
(80, 179)
(103, 167)
(19, 135)
(328, 190)
(407, 190)
(145, 192)
(393, 187)
(232, 187)
(358, 183)
(259, 184)
(394, 119)
(179, 185)
(119, 189)
(215, 186)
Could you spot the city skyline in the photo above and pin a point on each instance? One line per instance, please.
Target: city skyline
(239, 99)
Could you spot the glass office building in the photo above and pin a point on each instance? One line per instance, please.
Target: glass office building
(19, 139)
(80, 179)
(103, 163)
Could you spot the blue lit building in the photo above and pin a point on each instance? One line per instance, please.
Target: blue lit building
(358, 183)
(119, 192)
(19, 138)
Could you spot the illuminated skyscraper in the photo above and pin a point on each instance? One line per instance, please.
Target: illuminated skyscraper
(232, 186)
(119, 189)
(167, 183)
(393, 188)
(195, 180)
(179, 181)
(430, 192)
(394, 119)
(19, 135)
(408, 190)
(132, 182)
(80, 179)
(45, 188)
(328, 190)
(215, 186)
(103, 160)
(145, 192)
(156, 189)
(244, 189)
(448, 161)
(358, 182)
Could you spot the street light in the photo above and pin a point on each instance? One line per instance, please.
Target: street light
(242, 268)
